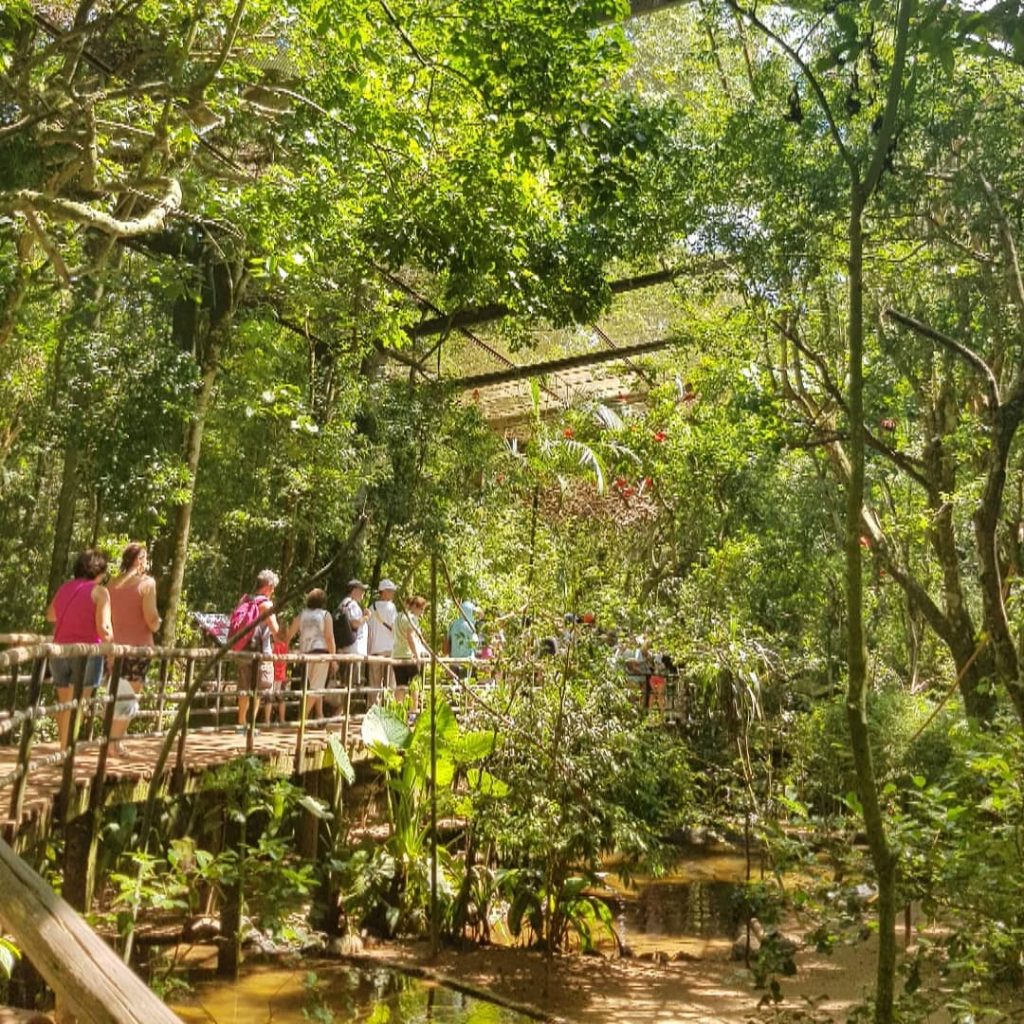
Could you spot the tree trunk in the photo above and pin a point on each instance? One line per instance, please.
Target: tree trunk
(65, 524)
(856, 701)
(183, 513)
(986, 526)
(205, 330)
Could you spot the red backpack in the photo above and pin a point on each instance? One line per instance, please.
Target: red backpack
(245, 614)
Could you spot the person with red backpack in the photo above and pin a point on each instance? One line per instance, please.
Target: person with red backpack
(257, 632)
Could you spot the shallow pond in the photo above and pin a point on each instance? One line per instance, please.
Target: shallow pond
(333, 993)
(691, 909)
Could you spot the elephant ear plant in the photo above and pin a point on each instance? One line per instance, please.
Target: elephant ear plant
(386, 886)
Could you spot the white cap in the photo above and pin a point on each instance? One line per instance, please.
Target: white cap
(386, 584)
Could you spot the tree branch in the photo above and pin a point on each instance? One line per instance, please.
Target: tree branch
(25, 201)
(52, 253)
(892, 99)
(1009, 247)
(968, 355)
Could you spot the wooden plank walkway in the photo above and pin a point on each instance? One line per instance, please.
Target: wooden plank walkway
(129, 775)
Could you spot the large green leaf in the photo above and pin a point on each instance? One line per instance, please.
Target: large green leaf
(486, 783)
(9, 953)
(474, 745)
(339, 757)
(381, 728)
(315, 807)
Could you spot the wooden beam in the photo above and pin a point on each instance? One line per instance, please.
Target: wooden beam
(482, 380)
(497, 310)
(88, 977)
(640, 8)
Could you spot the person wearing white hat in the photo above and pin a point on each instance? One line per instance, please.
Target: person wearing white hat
(381, 639)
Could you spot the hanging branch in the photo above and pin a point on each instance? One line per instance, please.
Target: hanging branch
(28, 201)
(969, 356)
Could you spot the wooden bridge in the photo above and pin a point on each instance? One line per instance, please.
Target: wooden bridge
(187, 726)
(192, 705)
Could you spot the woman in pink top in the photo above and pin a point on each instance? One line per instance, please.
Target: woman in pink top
(135, 619)
(80, 612)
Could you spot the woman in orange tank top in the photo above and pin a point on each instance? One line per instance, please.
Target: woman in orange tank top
(135, 619)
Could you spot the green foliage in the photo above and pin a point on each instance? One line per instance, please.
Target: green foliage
(275, 883)
(821, 767)
(961, 837)
(9, 955)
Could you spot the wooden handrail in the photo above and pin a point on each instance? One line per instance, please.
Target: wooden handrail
(88, 977)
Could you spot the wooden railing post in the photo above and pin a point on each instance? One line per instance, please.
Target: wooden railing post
(84, 972)
(12, 703)
(165, 671)
(81, 835)
(74, 725)
(300, 739)
(348, 700)
(178, 782)
(27, 733)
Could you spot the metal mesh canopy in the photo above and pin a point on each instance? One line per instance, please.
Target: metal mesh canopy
(611, 362)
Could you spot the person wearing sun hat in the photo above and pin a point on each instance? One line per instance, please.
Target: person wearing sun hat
(380, 639)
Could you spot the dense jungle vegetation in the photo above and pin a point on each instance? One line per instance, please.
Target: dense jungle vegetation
(249, 247)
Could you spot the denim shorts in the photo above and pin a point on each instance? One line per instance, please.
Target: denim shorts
(63, 670)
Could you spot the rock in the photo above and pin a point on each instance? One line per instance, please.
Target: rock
(787, 945)
(261, 943)
(683, 954)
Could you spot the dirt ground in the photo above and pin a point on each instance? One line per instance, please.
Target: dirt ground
(589, 990)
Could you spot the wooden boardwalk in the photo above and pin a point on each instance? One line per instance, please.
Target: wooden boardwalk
(129, 775)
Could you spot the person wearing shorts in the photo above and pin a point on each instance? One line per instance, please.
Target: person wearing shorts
(250, 678)
(80, 612)
(134, 617)
(409, 647)
(315, 629)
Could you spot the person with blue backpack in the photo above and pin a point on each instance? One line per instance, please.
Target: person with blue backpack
(256, 632)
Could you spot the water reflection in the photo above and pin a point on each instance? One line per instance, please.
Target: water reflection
(691, 910)
(329, 993)
(669, 909)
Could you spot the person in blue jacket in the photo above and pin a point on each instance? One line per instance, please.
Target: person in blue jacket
(463, 639)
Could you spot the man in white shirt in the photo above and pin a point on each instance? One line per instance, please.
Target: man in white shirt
(381, 636)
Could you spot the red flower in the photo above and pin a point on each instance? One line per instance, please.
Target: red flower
(888, 425)
(659, 436)
(620, 482)
(568, 432)
(500, 478)
(628, 492)
(865, 542)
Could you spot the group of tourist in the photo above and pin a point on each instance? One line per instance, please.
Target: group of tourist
(85, 610)
(88, 610)
(377, 630)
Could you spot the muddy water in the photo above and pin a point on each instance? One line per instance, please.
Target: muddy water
(335, 994)
(690, 910)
